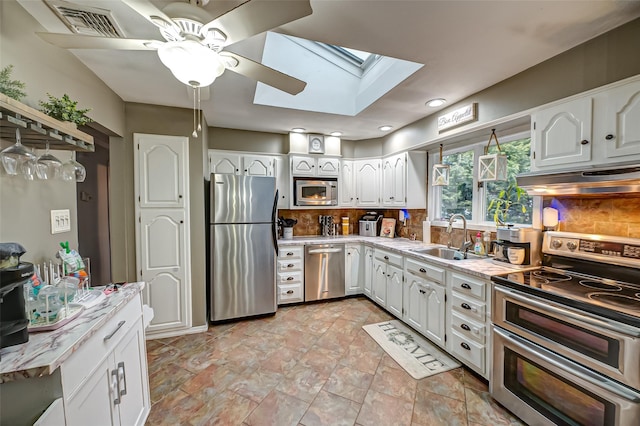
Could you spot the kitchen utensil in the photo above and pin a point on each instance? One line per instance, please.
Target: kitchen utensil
(515, 255)
(48, 166)
(15, 155)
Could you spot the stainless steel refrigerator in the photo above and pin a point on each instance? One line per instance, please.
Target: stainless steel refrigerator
(244, 245)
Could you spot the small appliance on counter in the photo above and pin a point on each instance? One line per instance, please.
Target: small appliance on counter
(370, 224)
(14, 275)
(519, 246)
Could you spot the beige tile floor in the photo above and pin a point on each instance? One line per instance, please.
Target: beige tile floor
(307, 365)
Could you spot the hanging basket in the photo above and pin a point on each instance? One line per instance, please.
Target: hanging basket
(441, 171)
(492, 167)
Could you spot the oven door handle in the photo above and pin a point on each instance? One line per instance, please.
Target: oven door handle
(549, 306)
(525, 347)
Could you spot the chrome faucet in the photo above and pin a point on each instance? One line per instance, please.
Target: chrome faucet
(466, 245)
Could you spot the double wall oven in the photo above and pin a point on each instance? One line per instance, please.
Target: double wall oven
(566, 336)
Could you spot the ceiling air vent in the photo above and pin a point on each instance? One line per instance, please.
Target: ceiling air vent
(86, 20)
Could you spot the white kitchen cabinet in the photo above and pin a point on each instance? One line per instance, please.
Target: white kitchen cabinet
(347, 192)
(290, 274)
(225, 162)
(394, 180)
(162, 228)
(561, 134)
(368, 272)
(387, 280)
(617, 123)
(258, 165)
(283, 185)
(353, 277)
(105, 382)
(424, 301)
(315, 166)
(367, 177)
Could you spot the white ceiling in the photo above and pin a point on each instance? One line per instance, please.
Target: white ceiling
(466, 46)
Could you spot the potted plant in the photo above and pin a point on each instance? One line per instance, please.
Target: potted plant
(512, 197)
(11, 88)
(64, 109)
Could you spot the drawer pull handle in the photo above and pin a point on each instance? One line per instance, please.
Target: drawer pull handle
(289, 278)
(386, 258)
(465, 327)
(122, 375)
(290, 254)
(465, 306)
(465, 346)
(423, 270)
(289, 291)
(110, 335)
(465, 286)
(114, 387)
(609, 137)
(290, 265)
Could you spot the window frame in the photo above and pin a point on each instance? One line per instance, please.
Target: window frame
(478, 204)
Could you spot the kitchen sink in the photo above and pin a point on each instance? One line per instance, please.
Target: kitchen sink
(445, 253)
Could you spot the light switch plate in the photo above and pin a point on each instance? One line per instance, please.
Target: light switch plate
(60, 221)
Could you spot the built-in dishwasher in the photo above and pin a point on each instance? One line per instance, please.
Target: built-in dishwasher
(323, 271)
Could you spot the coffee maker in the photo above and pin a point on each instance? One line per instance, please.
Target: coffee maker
(527, 238)
(13, 315)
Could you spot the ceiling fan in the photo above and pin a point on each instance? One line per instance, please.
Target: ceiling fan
(194, 40)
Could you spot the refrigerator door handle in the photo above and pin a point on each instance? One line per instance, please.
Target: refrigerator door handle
(274, 228)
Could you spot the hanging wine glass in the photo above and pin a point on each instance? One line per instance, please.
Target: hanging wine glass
(15, 155)
(48, 166)
(72, 170)
(28, 167)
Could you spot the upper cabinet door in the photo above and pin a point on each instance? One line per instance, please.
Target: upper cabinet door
(394, 180)
(367, 183)
(328, 167)
(619, 128)
(562, 134)
(347, 188)
(258, 165)
(224, 163)
(303, 166)
(161, 168)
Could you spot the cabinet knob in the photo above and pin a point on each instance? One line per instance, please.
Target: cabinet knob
(609, 137)
(465, 286)
(465, 346)
(290, 254)
(182, 221)
(422, 291)
(391, 198)
(584, 142)
(289, 291)
(290, 265)
(465, 327)
(424, 271)
(179, 196)
(465, 306)
(289, 278)
(237, 170)
(386, 258)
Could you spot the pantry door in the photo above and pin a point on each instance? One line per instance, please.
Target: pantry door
(162, 228)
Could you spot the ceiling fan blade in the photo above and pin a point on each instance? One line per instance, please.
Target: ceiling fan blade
(151, 12)
(257, 16)
(264, 74)
(76, 41)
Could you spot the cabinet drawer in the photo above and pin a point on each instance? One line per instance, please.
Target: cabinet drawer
(82, 362)
(291, 252)
(289, 293)
(467, 285)
(287, 265)
(469, 328)
(389, 258)
(468, 307)
(424, 270)
(471, 353)
(292, 277)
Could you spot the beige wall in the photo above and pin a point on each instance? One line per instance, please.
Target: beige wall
(153, 119)
(244, 140)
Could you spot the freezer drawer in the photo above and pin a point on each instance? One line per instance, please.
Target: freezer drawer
(242, 271)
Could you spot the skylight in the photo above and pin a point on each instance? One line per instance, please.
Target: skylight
(340, 80)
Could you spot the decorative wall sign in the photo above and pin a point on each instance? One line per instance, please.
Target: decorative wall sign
(316, 144)
(460, 116)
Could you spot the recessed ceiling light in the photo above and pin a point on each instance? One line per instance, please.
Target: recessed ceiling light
(436, 102)
(298, 130)
(385, 128)
(336, 133)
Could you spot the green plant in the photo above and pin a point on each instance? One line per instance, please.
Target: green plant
(11, 88)
(511, 197)
(65, 109)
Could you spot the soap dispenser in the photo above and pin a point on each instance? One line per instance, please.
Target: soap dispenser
(478, 248)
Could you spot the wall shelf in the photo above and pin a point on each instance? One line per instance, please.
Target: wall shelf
(37, 128)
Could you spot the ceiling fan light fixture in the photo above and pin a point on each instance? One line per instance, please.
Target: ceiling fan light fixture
(433, 103)
(191, 63)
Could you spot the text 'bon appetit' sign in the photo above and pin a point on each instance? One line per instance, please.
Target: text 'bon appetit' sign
(460, 116)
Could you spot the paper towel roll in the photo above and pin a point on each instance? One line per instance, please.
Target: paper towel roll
(426, 231)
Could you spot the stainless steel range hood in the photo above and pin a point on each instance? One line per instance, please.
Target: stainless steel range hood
(616, 179)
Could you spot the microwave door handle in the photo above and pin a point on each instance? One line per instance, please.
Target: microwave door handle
(274, 228)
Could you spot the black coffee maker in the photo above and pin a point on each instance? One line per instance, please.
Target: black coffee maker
(13, 316)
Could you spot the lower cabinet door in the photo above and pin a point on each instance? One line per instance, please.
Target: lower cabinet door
(434, 320)
(394, 290)
(93, 402)
(415, 304)
(379, 282)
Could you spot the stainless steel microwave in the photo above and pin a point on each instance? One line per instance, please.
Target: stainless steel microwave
(315, 192)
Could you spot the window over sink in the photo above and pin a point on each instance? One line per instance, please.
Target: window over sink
(466, 196)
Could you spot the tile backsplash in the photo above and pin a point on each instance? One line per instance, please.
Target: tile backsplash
(617, 215)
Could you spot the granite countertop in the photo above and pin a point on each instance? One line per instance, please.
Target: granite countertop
(482, 268)
(45, 351)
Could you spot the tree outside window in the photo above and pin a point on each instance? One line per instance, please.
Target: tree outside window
(457, 197)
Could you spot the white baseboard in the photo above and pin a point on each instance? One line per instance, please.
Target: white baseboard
(176, 333)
